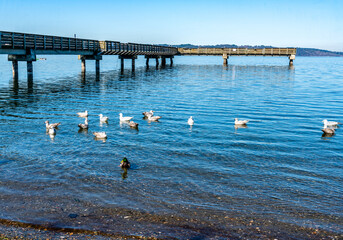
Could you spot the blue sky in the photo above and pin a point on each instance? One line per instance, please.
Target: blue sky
(292, 23)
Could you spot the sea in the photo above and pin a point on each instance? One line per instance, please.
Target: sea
(277, 177)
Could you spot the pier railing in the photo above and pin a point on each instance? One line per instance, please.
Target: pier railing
(112, 47)
(238, 51)
(45, 44)
(19, 43)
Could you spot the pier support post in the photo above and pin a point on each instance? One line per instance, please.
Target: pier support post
(157, 62)
(15, 69)
(133, 64)
(291, 58)
(163, 61)
(29, 70)
(147, 62)
(171, 60)
(225, 57)
(29, 58)
(83, 59)
(123, 57)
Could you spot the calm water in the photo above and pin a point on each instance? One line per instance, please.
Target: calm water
(277, 178)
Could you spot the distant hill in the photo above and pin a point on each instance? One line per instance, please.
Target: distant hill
(300, 51)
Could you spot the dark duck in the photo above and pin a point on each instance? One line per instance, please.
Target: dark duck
(125, 163)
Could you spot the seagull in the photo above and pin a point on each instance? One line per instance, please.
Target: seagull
(54, 125)
(147, 114)
(133, 124)
(83, 114)
(240, 122)
(154, 118)
(103, 118)
(124, 119)
(329, 131)
(191, 121)
(100, 135)
(52, 131)
(330, 123)
(84, 125)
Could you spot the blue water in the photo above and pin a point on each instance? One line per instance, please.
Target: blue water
(276, 178)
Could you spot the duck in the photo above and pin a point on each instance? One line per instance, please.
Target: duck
(124, 119)
(84, 125)
(125, 163)
(330, 123)
(240, 122)
(52, 131)
(190, 121)
(103, 118)
(147, 114)
(83, 114)
(154, 118)
(133, 124)
(100, 135)
(54, 125)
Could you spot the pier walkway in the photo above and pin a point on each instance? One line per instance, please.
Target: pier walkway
(25, 47)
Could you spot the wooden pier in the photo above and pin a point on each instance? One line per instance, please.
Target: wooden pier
(25, 47)
(226, 52)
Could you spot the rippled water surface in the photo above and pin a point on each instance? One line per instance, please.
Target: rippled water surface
(276, 178)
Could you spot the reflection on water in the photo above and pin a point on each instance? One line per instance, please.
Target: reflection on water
(210, 180)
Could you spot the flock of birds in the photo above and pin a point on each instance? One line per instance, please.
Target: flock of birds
(328, 129)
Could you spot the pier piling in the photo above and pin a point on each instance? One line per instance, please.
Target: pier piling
(225, 57)
(15, 69)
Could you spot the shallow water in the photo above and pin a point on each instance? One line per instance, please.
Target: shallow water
(278, 177)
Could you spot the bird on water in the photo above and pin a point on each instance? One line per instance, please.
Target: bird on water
(154, 118)
(100, 135)
(147, 114)
(240, 122)
(125, 163)
(84, 125)
(330, 123)
(103, 118)
(132, 124)
(54, 125)
(124, 119)
(190, 121)
(83, 114)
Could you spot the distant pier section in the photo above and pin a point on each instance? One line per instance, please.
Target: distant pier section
(25, 47)
(226, 52)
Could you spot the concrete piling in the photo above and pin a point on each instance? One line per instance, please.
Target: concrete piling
(15, 69)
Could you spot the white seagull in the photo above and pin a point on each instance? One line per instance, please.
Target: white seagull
(83, 114)
(330, 123)
(154, 118)
(240, 122)
(100, 135)
(190, 121)
(124, 119)
(103, 118)
(52, 131)
(54, 125)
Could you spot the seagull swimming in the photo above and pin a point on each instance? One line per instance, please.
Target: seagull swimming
(190, 121)
(147, 114)
(84, 125)
(52, 131)
(124, 119)
(100, 135)
(83, 114)
(154, 118)
(54, 125)
(330, 123)
(133, 124)
(240, 122)
(103, 118)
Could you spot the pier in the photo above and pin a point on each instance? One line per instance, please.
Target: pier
(25, 47)
(226, 52)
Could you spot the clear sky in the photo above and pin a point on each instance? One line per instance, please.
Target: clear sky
(291, 23)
